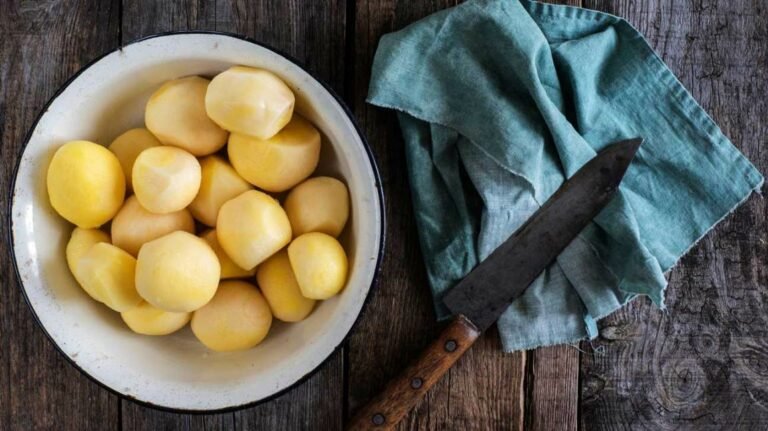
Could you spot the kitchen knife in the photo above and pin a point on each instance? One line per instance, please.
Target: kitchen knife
(480, 298)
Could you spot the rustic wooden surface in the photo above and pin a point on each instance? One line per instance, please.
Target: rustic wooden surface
(701, 365)
(704, 364)
(407, 390)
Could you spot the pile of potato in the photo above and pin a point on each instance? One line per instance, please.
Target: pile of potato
(156, 267)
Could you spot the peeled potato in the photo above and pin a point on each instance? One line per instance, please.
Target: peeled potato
(237, 318)
(252, 227)
(165, 179)
(85, 183)
(148, 320)
(177, 272)
(220, 183)
(128, 146)
(280, 162)
(318, 204)
(279, 286)
(80, 243)
(250, 101)
(176, 115)
(229, 269)
(107, 274)
(133, 225)
(319, 263)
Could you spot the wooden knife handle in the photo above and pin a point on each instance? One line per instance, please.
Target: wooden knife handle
(405, 392)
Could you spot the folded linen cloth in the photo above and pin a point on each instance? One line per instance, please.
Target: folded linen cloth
(499, 102)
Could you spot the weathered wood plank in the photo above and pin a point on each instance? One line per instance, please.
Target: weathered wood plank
(702, 365)
(315, 34)
(408, 389)
(7, 153)
(136, 417)
(145, 17)
(552, 373)
(317, 404)
(42, 44)
(577, 3)
(483, 390)
(552, 388)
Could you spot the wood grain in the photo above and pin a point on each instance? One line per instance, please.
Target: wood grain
(317, 404)
(315, 34)
(38, 55)
(484, 392)
(702, 364)
(552, 389)
(577, 3)
(406, 390)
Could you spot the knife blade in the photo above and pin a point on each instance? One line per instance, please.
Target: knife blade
(479, 299)
(504, 275)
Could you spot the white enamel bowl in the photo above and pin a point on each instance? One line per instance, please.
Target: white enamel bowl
(176, 371)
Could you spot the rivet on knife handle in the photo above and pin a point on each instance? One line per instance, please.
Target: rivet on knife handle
(405, 392)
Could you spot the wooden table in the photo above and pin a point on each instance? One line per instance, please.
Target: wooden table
(701, 365)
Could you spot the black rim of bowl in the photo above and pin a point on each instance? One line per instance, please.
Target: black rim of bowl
(379, 190)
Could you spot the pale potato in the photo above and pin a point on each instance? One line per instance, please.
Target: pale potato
(107, 274)
(80, 242)
(133, 226)
(175, 114)
(229, 269)
(280, 162)
(166, 179)
(319, 264)
(237, 318)
(318, 204)
(177, 272)
(250, 101)
(278, 284)
(219, 183)
(127, 147)
(86, 184)
(252, 227)
(147, 320)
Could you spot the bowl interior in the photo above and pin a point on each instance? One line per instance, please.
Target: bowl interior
(176, 371)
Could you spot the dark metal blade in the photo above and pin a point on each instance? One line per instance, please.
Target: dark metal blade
(489, 289)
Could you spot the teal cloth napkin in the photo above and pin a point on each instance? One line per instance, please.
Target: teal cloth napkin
(499, 102)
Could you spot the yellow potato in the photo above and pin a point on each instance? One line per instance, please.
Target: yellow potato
(107, 274)
(229, 269)
(176, 115)
(252, 227)
(133, 225)
(80, 243)
(148, 320)
(128, 146)
(280, 162)
(165, 179)
(279, 286)
(250, 101)
(219, 184)
(318, 204)
(237, 318)
(177, 272)
(85, 183)
(319, 263)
